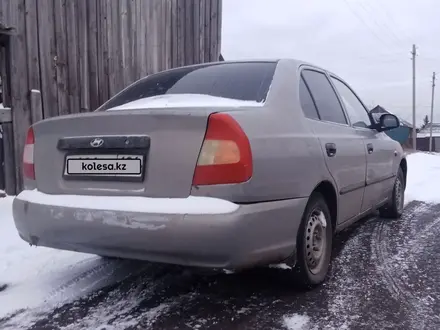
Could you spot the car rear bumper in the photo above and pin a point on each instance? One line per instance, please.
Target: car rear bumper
(198, 231)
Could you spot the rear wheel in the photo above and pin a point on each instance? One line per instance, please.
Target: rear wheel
(394, 208)
(314, 243)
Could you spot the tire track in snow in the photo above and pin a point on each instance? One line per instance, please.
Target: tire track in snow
(394, 247)
(90, 275)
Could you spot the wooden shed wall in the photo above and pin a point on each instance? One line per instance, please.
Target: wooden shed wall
(78, 53)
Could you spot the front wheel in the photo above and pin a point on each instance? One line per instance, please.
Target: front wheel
(394, 208)
(314, 242)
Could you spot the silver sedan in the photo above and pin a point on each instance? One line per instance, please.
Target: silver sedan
(223, 165)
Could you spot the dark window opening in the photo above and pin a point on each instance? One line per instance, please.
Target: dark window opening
(246, 81)
(326, 100)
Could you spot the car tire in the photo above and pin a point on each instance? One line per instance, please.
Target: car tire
(394, 208)
(314, 243)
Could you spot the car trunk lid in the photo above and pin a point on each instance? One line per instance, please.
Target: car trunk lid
(159, 148)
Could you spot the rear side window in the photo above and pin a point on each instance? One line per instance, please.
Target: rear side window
(326, 101)
(307, 103)
(246, 81)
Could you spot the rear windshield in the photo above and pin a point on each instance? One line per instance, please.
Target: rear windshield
(248, 81)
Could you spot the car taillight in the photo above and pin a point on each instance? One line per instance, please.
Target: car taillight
(28, 155)
(226, 155)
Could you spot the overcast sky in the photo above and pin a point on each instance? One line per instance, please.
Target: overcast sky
(366, 42)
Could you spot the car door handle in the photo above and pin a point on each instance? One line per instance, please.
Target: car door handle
(370, 148)
(331, 149)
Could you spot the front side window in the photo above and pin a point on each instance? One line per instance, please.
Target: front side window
(355, 110)
(326, 100)
(246, 81)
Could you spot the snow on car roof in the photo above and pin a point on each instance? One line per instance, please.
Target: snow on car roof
(185, 101)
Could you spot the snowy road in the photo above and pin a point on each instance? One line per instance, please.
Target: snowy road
(384, 276)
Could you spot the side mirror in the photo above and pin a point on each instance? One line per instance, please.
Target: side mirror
(388, 121)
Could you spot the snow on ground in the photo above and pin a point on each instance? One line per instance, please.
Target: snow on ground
(40, 278)
(423, 178)
(296, 322)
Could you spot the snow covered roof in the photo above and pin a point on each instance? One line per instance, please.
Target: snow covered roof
(425, 132)
(378, 111)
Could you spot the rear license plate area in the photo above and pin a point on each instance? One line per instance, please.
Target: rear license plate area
(104, 167)
(105, 158)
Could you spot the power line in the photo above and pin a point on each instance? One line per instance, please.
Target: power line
(386, 11)
(380, 23)
(361, 19)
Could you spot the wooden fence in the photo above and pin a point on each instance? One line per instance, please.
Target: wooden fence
(70, 56)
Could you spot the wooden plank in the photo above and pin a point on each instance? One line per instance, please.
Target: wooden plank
(36, 104)
(61, 62)
(11, 185)
(5, 115)
(113, 48)
(47, 53)
(5, 72)
(110, 45)
(33, 58)
(150, 37)
(148, 30)
(213, 29)
(6, 9)
(132, 25)
(196, 31)
(219, 27)
(160, 35)
(189, 32)
(201, 32)
(72, 57)
(92, 28)
(155, 21)
(124, 43)
(207, 32)
(102, 51)
(174, 34)
(163, 36)
(2, 13)
(8, 136)
(141, 26)
(180, 33)
(19, 89)
(168, 35)
(116, 50)
(83, 49)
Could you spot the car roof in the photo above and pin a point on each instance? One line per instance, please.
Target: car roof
(296, 62)
(293, 61)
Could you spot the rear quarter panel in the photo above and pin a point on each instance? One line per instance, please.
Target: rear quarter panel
(287, 159)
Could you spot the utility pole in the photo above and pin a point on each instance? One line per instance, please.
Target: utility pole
(432, 112)
(414, 137)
